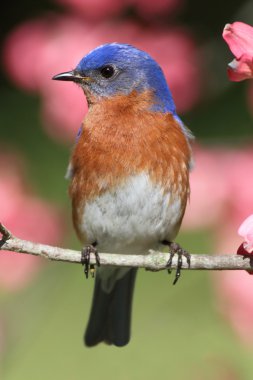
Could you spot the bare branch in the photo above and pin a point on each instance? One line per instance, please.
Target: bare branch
(153, 261)
(5, 233)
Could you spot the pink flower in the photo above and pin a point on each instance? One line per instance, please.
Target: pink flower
(246, 231)
(53, 44)
(209, 190)
(94, 9)
(26, 216)
(232, 289)
(237, 164)
(239, 37)
(221, 188)
(102, 9)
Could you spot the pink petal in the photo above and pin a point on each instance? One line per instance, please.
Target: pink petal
(27, 217)
(241, 69)
(249, 237)
(248, 248)
(239, 37)
(246, 229)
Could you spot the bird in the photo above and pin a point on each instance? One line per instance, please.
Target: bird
(129, 175)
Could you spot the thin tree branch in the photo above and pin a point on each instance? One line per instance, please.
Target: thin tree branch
(153, 261)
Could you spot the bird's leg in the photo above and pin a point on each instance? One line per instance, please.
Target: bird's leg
(85, 259)
(175, 248)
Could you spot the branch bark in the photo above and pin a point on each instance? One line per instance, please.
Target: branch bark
(153, 261)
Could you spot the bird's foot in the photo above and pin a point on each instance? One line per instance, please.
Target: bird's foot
(85, 259)
(176, 249)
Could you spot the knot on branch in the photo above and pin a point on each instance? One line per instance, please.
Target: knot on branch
(6, 234)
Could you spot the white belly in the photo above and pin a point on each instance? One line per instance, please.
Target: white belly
(133, 218)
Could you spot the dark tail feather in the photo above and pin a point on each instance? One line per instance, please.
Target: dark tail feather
(110, 316)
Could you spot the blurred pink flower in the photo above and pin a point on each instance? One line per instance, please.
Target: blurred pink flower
(239, 37)
(233, 296)
(221, 188)
(209, 190)
(38, 49)
(95, 9)
(237, 164)
(26, 216)
(246, 232)
(175, 51)
(102, 9)
(233, 289)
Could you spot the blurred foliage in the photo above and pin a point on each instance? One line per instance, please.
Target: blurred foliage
(177, 332)
(218, 120)
(22, 131)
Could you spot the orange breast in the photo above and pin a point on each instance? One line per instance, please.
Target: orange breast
(121, 138)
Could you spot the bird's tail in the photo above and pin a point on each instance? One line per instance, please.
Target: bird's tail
(110, 316)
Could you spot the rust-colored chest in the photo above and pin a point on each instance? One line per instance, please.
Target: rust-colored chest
(120, 138)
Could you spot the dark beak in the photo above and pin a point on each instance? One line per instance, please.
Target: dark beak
(72, 76)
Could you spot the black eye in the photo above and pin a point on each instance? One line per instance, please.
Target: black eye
(107, 71)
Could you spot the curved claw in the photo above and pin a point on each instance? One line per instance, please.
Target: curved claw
(85, 260)
(178, 250)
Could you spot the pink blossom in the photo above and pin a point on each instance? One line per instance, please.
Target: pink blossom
(221, 188)
(95, 9)
(239, 37)
(23, 54)
(237, 164)
(246, 232)
(232, 288)
(27, 217)
(53, 44)
(63, 110)
(101, 9)
(209, 190)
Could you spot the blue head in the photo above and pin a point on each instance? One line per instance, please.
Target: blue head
(114, 69)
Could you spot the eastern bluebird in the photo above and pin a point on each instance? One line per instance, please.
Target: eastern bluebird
(129, 174)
